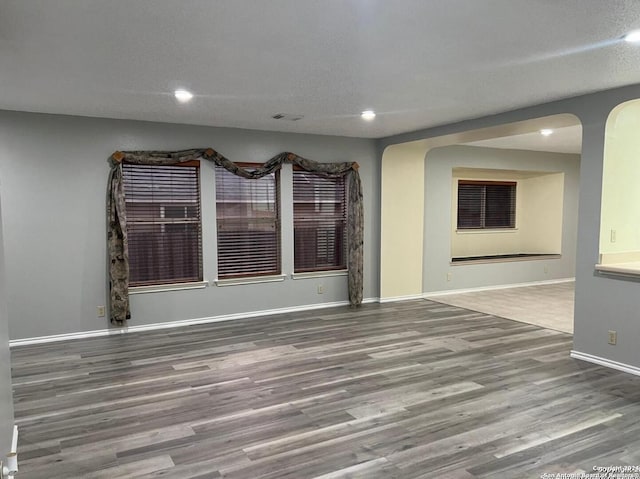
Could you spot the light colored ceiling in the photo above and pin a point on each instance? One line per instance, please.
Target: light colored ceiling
(491, 174)
(562, 140)
(417, 63)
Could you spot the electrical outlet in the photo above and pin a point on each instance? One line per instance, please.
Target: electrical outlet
(613, 236)
(101, 312)
(320, 289)
(613, 337)
(449, 276)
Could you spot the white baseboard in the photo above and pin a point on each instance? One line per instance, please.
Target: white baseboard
(447, 292)
(394, 299)
(176, 324)
(627, 368)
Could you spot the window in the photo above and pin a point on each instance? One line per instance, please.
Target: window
(248, 224)
(163, 223)
(486, 204)
(319, 222)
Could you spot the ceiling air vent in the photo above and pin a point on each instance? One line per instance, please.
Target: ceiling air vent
(287, 116)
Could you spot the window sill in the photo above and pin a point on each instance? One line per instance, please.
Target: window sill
(481, 231)
(250, 280)
(505, 259)
(320, 274)
(161, 288)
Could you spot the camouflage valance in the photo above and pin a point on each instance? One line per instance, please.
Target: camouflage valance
(117, 212)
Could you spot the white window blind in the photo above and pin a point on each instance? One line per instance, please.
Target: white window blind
(248, 224)
(319, 222)
(163, 223)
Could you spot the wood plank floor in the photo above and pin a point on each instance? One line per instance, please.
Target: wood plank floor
(402, 390)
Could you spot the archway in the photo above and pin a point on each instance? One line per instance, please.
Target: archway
(418, 206)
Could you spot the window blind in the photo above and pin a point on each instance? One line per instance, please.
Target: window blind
(486, 204)
(163, 223)
(248, 224)
(319, 222)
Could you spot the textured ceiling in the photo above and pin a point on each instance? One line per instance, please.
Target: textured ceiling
(563, 140)
(417, 63)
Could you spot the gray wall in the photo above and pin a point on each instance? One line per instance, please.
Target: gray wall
(437, 234)
(54, 175)
(6, 399)
(602, 303)
(55, 169)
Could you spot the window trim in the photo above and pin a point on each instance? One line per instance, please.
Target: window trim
(320, 274)
(161, 288)
(483, 207)
(237, 281)
(320, 271)
(172, 283)
(260, 277)
(485, 231)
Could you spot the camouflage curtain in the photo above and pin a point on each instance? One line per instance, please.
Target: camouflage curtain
(117, 213)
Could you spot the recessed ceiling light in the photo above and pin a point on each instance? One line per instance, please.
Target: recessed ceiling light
(546, 131)
(632, 37)
(368, 115)
(183, 96)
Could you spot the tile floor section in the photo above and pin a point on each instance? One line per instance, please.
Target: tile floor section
(549, 305)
